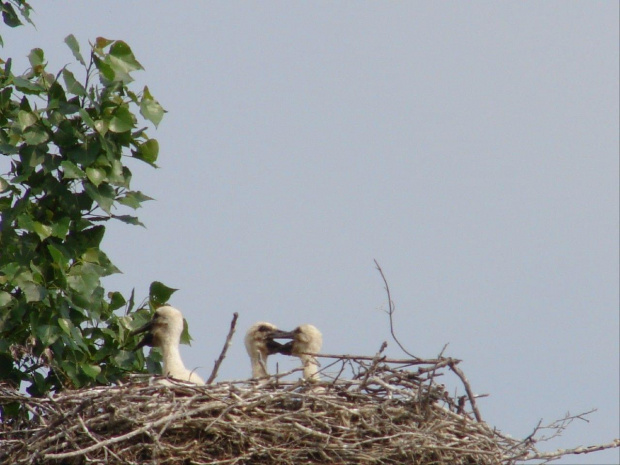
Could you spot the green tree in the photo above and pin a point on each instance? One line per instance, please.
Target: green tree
(64, 139)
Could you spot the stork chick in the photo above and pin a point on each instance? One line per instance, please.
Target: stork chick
(164, 331)
(260, 344)
(307, 341)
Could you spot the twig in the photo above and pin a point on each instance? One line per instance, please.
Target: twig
(391, 310)
(401, 361)
(470, 394)
(373, 366)
(577, 450)
(220, 359)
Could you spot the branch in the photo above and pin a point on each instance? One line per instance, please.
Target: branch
(404, 361)
(391, 310)
(470, 394)
(220, 359)
(373, 366)
(577, 450)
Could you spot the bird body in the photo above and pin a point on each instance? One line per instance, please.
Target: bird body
(164, 331)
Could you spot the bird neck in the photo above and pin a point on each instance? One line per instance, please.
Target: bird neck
(259, 365)
(173, 365)
(311, 367)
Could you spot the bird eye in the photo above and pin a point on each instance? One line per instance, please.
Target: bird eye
(264, 328)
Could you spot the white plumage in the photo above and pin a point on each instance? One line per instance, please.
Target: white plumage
(260, 344)
(164, 331)
(307, 340)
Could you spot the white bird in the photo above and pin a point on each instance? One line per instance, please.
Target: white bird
(307, 340)
(260, 344)
(164, 331)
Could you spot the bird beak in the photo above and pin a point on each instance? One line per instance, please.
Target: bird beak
(280, 334)
(147, 340)
(142, 329)
(274, 347)
(284, 349)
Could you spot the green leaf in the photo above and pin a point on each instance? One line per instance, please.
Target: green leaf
(159, 294)
(47, 334)
(25, 221)
(116, 175)
(103, 195)
(102, 42)
(87, 119)
(34, 292)
(61, 228)
(101, 127)
(95, 175)
(122, 121)
(116, 300)
(59, 258)
(35, 136)
(153, 362)
(148, 151)
(73, 86)
(150, 108)
(185, 337)
(134, 199)
(26, 86)
(32, 156)
(106, 73)
(132, 300)
(5, 299)
(129, 220)
(8, 149)
(36, 57)
(124, 358)
(73, 44)
(71, 170)
(85, 154)
(65, 324)
(26, 119)
(83, 279)
(43, 231)
(121, 56)
(9, 16)
(91, 370)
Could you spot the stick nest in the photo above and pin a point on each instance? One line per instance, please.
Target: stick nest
(389, 412)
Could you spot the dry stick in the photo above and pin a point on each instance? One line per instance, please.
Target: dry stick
(402, 361)
(470, 394)
(373, 366)
(431, 377)
(560, 425)
(220, 359)
(578, 450)
(390, 311)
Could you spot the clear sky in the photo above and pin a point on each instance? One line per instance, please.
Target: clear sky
(471, 148)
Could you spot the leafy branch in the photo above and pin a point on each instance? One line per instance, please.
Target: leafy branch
(65, 144)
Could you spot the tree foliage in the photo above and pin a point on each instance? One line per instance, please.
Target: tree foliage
(11, 12)
(64, 138)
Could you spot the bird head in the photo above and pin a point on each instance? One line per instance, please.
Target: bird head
(260, 338)
(166, 325)
(306, 339)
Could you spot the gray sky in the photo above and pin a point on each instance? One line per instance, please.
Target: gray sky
(471, 148)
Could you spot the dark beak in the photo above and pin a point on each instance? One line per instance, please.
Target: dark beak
(280, 334)
(274, 347)
(147, 340)
(285, 349)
